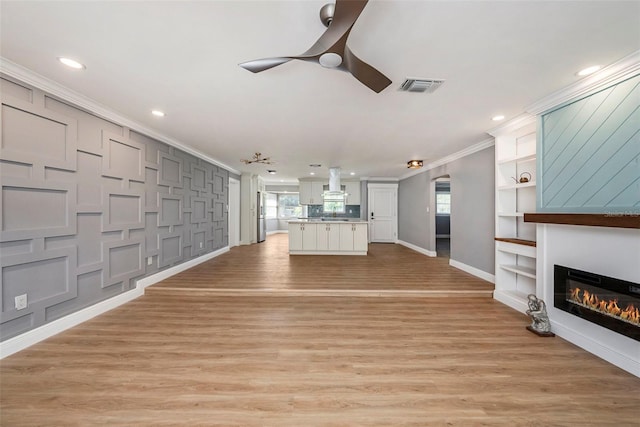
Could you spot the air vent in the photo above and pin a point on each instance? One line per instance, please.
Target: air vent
(421, 85)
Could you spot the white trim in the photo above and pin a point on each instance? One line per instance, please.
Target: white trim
(269, 233)
(608, 76)
(383, 179)
(417, 248)
(585, 342)
(36, 80)
(512, 125)
(472, 270)
(509, 299)
(34, 336)
(382, 186)
(450, 158)
(165, 274)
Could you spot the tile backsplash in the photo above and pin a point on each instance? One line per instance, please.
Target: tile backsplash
(351, 211)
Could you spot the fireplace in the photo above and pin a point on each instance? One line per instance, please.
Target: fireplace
(611, 303)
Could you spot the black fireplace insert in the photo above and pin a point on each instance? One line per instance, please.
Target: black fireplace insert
(609, 302)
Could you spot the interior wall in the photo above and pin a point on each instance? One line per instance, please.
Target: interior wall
(472, 209)
(88, 207)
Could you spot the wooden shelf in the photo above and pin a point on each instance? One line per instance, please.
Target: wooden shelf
(517, 241)
(518, 269)
(593, 220)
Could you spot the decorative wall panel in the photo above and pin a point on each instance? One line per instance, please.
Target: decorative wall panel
(170, 170)
(590, 153)
(85, 202)
(36, 209)
(32, 134)
(122, 158)
(171, 247)
(123, 210)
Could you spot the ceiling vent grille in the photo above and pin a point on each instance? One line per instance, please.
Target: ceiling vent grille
(421, 85)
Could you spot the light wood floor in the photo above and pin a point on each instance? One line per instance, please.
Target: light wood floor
(190, 359)
(388, 269)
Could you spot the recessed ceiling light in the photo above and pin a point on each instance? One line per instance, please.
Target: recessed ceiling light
(312, 173)
(315, 165)
(497, 118)
(271, 171)
(352, 173)
(588, 70)
(157, 113)
(71, 63)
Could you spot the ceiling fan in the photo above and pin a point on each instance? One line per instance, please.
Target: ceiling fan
(257, 158)
(331, 49)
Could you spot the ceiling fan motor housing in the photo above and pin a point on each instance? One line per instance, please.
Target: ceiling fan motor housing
(326, 13)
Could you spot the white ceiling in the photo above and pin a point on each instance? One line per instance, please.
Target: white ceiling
(497, 57)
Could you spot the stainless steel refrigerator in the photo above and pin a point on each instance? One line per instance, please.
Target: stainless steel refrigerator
(262, 221)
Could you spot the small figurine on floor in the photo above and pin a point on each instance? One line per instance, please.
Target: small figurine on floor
(540, 324)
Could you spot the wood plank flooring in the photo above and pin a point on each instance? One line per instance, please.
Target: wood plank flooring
(388, 270)
(197, 359)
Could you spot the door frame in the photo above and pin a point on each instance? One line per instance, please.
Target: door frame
(233, 209)
(393, 187)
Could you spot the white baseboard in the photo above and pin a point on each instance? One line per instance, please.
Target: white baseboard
(164, 274)
(472, 270)
(269, 233)
(34, 336)
(609, 354)
(423, 251)
(16, 344)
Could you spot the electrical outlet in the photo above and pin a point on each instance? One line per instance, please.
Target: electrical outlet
(201, 245)
(21, 302)
(149, 260)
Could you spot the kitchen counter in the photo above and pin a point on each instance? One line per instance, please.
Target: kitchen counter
(328, 221)
(328, 237)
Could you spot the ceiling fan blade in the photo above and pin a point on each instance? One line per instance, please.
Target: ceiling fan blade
(369, 76)
(258, 65)
(345, 15)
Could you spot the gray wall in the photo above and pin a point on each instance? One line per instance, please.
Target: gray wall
(472, 209)
(85, 202)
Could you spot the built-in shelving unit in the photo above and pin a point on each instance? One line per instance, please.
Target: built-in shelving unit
(515, 270)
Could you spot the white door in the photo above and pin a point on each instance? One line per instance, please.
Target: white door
(234, 212)
(383, 212)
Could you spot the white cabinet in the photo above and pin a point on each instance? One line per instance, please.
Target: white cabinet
(515, 168)
(328, 237)
(311, 192)
(352, 189)
(353, 237)
(302, 237)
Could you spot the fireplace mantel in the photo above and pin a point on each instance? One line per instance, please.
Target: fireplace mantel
(595, 220)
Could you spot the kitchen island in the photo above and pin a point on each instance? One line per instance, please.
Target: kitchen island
(328, 237)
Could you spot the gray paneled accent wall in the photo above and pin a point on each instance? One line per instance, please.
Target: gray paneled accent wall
(86, 203)
(589, 153)
(472, 209)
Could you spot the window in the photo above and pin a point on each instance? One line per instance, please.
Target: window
(289, 206)
(271, 205)
(333, 204)
(443, 203)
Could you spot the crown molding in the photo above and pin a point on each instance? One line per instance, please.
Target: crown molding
(61, 92)
(608, 76)
(490, 142)
(512, 125)
(382, 179)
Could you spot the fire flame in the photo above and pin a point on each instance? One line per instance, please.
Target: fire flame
(630, 313)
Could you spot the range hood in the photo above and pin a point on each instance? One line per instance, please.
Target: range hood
(335, 190)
